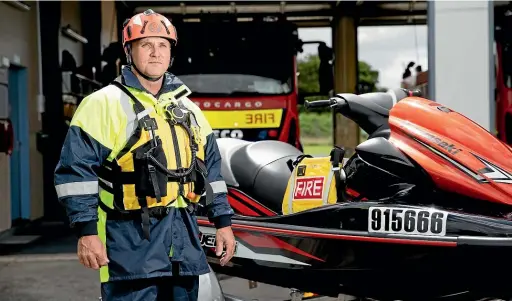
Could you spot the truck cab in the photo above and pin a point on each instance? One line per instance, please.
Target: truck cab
(243, 75)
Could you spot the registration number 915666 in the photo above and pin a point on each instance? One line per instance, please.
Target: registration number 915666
(407, 221)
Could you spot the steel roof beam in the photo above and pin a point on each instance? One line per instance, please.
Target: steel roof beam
(234, 8)
(305, 13)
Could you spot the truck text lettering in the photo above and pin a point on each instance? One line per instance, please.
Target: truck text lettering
(259, 118)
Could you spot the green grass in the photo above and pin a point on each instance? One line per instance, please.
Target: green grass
(317, 146)
(314, 124)
(316, 132)
(317, 150)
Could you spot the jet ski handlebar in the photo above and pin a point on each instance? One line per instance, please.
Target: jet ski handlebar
(369, 110)
(340, 101)
(333, 102)
(318, 103)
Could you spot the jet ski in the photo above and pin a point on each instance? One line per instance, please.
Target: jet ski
(426, 209)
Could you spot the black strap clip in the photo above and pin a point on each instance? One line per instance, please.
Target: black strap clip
(154, 182)
(337, 155)
(149, 124)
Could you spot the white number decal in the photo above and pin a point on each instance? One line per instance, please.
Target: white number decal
(407, 221)
(238, 134)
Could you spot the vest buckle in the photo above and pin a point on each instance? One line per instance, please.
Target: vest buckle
(150, 124)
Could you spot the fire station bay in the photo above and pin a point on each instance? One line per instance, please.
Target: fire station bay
(50, 53)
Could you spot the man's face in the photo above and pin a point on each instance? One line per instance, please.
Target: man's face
(152, 55)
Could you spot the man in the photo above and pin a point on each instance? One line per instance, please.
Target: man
(137, 158)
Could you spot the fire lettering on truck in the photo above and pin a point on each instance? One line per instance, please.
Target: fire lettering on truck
(309, 188)
(259, 118)
(228, 104)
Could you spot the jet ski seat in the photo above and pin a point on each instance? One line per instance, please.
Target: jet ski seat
(227, 147)
(259, 168)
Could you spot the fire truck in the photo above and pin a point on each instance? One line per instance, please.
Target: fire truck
(243, 75)
(503, 60)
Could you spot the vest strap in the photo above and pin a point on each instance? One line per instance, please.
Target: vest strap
(153, 167)
(137, 106)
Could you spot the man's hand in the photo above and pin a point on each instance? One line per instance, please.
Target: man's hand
(225, 238)
(91, 252)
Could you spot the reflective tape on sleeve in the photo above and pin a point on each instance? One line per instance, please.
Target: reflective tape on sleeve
(77, 188)
(219, 187)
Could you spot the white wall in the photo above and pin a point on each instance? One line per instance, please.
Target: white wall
(460, 58)
(19, 28)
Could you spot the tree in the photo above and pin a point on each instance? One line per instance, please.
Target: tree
(368, 78)
(308, 76)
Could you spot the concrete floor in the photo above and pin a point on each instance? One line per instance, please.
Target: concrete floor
(49, 270)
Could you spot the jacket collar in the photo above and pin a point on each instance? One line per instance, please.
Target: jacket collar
(169, 84)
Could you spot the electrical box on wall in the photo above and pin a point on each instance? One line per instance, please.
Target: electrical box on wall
(4, 93)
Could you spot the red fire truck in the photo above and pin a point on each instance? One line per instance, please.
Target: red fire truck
(503, 59)
(243, 75)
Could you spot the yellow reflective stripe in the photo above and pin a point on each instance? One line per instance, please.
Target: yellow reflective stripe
(219, 186)
(102, 233)
(179, 203)
(77, 188)
(98, 115)
(107, 198)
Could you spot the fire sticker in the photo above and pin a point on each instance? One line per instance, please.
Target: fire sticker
(309, 188)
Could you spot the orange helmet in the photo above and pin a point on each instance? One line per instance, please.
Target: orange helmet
(149, 24)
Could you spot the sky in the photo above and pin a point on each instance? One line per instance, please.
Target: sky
(387, 49)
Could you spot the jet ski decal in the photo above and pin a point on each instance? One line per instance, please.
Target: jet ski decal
(494, 172)
(264, 243)
(209, 241)
(245, 251)
(246, 206)
(392, 220)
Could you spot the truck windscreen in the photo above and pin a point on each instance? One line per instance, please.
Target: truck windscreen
(236, 58)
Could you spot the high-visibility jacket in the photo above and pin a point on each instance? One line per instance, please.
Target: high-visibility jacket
(106, 129)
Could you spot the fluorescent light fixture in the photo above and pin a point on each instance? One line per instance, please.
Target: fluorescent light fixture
(404, 6)
(18, 4)
(309, 18)
(73, 34)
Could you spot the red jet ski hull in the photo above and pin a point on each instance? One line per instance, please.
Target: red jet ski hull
(427, 211)
(329, 250)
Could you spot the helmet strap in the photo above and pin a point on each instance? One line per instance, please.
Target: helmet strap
(151, 79)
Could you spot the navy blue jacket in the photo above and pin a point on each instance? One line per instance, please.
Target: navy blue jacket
(76, 182)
